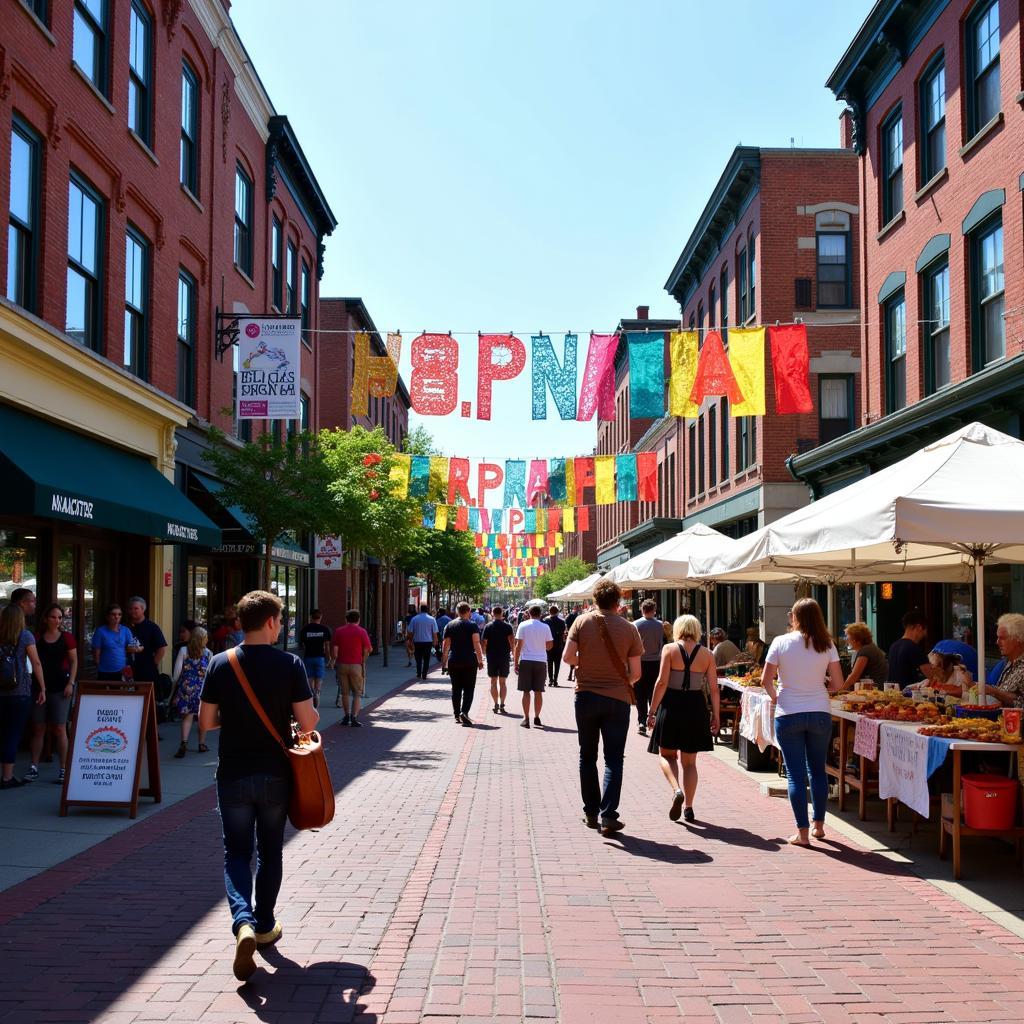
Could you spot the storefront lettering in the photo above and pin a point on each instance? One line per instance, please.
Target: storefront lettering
(182, 532)
(68, 506)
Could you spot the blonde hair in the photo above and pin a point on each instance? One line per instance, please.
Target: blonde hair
(860, 632)
(197, 642)
(12, 623)
(687, 627)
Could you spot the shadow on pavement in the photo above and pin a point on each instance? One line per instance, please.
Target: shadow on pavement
(277, 996)
(653, 850)
(732, 836)
(858, 858)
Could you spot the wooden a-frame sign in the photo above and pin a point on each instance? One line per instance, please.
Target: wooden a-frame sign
(112, 723)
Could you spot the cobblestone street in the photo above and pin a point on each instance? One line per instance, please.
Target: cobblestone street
(458, 884)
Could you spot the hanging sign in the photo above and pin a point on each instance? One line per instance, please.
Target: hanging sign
(112, 722)
(268, 368)
(328, 553)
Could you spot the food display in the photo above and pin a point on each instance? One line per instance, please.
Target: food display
(978, 730)
(1011, 725)
(867, 701)
(919, 712)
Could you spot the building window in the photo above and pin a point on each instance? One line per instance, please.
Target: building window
(89, 48)
(276, 264)
(290, 275)
(896, 352)
(723, 303)
(186, 338)
(989, 297)
(140, 38)
(700, 319)
(981, 51)
(712, 307)
(751, 273)
(725, 439)
(303, 411)
(692, 475)
(23, 222)
(835, 407)
(700, 455)
(892, 166)
(741, 286)
(85, 217)
(936, 327)
(712, 446)
(693, 321)
(40, 8)
(834, 279)
(305, 289)
(189, 129)
(933, 120)
(136, 302)
(742, 443)
(243, 221)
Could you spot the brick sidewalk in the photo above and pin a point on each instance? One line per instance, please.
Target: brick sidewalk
(457, 884)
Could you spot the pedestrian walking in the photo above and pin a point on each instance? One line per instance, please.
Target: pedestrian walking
(558, 628)
(253, 774)
(58, 655)
(350, 647)
(423, 629)
(606, 651)
(533, 642)
(17, 657)
(462, 656)
(679, 719)
(652, 633)
(111, 646)
(190, 667)
(442, 618)
(407, 635)
(496, 640)
(315, 640)
(150, 638)
(569, 620)
(799, 661)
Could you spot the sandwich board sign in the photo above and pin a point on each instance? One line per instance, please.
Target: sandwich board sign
(112, 724)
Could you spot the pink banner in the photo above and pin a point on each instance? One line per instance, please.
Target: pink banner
(597, 389)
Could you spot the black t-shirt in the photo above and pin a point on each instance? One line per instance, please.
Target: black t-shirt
(151, 636)
(313, 636)
(558, 628)
(56, 665)
(461, 632)
(278, 680)
(905, 659)
(496, 635)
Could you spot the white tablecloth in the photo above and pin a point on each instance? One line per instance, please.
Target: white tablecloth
(903, 767)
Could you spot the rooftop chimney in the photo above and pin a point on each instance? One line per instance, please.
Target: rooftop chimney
(642, 312)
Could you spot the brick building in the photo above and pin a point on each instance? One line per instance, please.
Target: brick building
(128, 216)
(934, 92)
(359, 583)
(774, 243)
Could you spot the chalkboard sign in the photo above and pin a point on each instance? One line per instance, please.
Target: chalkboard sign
(112, 724)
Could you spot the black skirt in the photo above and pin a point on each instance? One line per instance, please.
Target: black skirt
(683, 723)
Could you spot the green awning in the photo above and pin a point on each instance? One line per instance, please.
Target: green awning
(215, 489)
(47, 470)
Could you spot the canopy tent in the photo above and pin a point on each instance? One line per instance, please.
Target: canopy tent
(936, 515)
(578, 590)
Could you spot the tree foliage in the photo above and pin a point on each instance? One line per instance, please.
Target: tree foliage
(565, 572)
(448, 561)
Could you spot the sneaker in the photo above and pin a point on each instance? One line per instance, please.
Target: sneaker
(355, 723)
(347, 720)
(524, 724)
(590, 820)
(269, 938)
(32, 774)
(642, 730)
(688, 814)
(609, 826)
(465, 719)
(244, 966)
(11, 783)
(537, 722)
(60, 777)
(677, 806)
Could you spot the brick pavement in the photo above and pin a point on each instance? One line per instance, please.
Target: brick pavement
(456, 885)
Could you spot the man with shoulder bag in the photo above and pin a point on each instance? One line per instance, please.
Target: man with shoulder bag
(254, 774)
(605, 650)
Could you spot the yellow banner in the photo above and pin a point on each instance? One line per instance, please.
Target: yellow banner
(683, 349)
(604, 479)
(746, 357)
(399, 475)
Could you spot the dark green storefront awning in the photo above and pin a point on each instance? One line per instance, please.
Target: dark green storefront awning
(46, 470)
(215, 489)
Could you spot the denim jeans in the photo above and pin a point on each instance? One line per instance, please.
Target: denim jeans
(253, 806)
(606, 719)
(463, 679)
(14, 712)
(804, 739)
(422, 651)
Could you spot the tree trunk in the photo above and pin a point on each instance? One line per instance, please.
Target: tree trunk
(267, 558)
(382, 606)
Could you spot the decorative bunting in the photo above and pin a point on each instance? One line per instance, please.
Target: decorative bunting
(489, 476)
(791, 365)
(441, 518)
(399, 476)
(537, 483)
(625, 478)
(371, 375)
(570, 481)
(429, 515)
(597, 391)
(569, 519)
(746, 356)
(583, 470)
(515, 483)
(500, 357)
(529, 520)
(474, 519)
(714, 374)
(556, 480)
(434, 384)
(604, 479)
(684, 346)
(647, 476)
(646, 374)
(438, 476)
(419, 476)
(547, 372)
(458, 481)
(462, 517)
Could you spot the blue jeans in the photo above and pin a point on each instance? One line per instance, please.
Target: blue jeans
(14, 712)
(804, 739)
(256, 805)
(606, 719)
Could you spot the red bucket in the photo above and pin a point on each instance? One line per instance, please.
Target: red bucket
(990, 802)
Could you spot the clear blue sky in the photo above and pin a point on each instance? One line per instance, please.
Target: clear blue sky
(536, 165)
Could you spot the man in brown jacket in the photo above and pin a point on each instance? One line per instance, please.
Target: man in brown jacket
(605, 650)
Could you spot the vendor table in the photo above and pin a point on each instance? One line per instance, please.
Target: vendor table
(757, 716)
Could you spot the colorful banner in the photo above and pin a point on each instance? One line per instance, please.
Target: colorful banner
(597, 391)
(375, 376)
(547, 372)
(268, 368)
(646, 374)
(746, 356)
(684, 347)
(791, 366)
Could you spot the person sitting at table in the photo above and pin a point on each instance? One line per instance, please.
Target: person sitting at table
(755, 646)
(942, 663)
(1009, 687)
(724, 650)
(908, 659)
(869, 660)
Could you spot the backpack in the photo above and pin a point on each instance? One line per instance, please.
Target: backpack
(8, 668)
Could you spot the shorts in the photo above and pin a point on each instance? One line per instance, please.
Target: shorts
(351, 680)
(533, 676)
(54, 712)
(499, 668)
(315, 667)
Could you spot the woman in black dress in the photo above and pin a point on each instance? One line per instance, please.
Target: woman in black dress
(679, 720)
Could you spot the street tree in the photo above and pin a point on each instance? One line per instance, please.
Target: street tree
(565, 572)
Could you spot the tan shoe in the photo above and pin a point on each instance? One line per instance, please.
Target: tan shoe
(245, 946)
(269, 938)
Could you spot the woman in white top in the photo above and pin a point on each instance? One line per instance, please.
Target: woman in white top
(801, 660)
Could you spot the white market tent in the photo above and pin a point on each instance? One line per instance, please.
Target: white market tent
(578, 590)
(938, 514)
